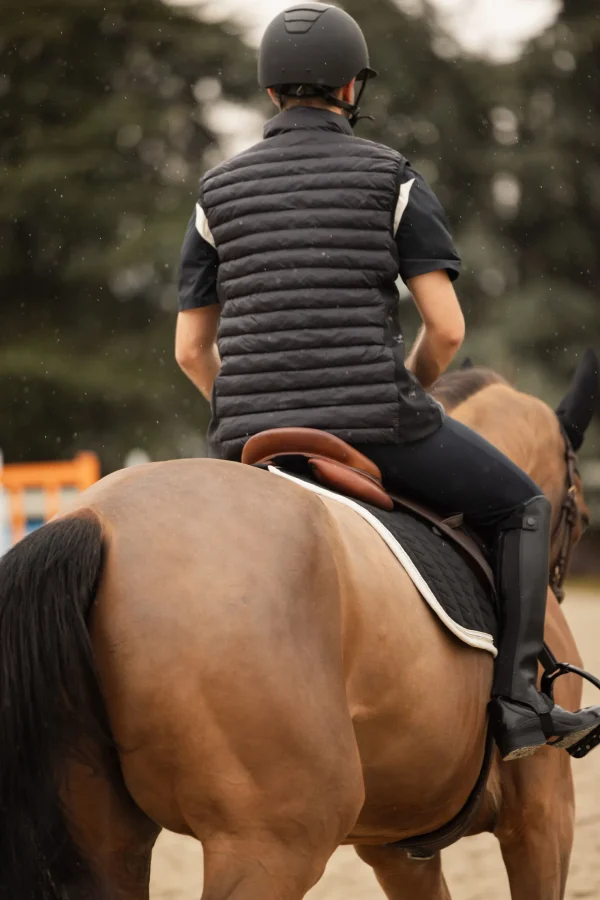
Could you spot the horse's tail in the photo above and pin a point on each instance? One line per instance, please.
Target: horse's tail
(50, 700)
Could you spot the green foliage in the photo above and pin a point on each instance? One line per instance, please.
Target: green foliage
(103, 135)
(555, 160)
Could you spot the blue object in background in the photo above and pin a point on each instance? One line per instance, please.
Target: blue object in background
(5, 523)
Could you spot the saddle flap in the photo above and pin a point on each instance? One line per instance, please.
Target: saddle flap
(350, 482)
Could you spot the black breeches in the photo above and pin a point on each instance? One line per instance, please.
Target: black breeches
(455, 470)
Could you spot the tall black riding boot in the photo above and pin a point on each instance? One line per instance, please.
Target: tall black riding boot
(524, 719)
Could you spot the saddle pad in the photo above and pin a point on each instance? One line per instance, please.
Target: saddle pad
(442, 576)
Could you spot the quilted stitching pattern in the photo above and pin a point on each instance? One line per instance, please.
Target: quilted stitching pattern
(445, 570)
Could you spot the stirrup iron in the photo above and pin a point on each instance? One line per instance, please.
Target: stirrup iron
(554, 669)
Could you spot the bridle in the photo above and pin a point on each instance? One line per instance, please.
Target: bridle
(567, 521)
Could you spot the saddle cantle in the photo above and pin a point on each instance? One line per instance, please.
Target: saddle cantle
(334, 463)
(338, 466)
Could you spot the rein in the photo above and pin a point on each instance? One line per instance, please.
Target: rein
(566, 524)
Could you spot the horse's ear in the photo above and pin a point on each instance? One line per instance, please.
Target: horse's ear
(467, 363)
(577, 407)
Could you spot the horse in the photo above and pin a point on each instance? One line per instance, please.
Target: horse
(203, 647)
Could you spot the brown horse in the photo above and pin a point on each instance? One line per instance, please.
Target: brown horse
(203, 647)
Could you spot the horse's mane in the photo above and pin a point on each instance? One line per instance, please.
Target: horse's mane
(454, 388)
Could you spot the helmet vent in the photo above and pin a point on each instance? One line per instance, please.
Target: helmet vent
(300, 21)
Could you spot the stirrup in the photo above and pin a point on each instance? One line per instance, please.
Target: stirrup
(553, 670)
(583, 747)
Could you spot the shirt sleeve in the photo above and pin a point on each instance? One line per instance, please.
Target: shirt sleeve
(422, 233)
(199, 265)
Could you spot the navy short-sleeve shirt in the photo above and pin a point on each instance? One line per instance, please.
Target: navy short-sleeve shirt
(422, 233)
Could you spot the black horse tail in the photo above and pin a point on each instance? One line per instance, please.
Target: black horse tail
(50, 700)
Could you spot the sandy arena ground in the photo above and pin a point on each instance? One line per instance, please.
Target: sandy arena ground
(474, 867)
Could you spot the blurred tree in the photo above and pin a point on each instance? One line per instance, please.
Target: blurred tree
(103, 135)
(547, 194)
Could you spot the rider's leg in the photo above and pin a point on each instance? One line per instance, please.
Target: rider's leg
(457, 470)
(523, 718)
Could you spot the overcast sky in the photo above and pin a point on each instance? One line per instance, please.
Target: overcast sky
(495, 27)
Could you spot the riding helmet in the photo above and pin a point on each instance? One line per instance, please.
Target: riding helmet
(313, 45)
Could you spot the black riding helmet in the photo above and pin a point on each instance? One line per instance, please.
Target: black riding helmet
(311, 50)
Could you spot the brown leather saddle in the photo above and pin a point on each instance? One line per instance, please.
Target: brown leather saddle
(339, 467)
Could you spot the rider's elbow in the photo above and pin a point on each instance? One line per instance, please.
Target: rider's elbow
(452, 334)
(455, 338)
(186, 356)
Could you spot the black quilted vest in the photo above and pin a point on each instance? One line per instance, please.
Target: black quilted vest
(303, 225)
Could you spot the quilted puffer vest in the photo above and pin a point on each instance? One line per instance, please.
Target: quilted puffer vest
(303, 225)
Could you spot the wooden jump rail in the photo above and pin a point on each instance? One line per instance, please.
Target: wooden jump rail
(52, 479)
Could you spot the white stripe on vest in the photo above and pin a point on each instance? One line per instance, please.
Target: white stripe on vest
(202, 226)
(402, 203)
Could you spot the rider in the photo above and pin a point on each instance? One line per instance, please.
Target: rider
(294, 251)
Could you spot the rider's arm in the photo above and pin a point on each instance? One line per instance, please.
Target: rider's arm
(429, 264)
(196, 348)
(195, 339)
(443, 328)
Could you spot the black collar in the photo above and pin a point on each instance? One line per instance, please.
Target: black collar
(308, 118)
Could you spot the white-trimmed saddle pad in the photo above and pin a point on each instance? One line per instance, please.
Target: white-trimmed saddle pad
(444, 565)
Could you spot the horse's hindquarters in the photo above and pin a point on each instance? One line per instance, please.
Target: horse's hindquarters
(256, 645)
(218, 636)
